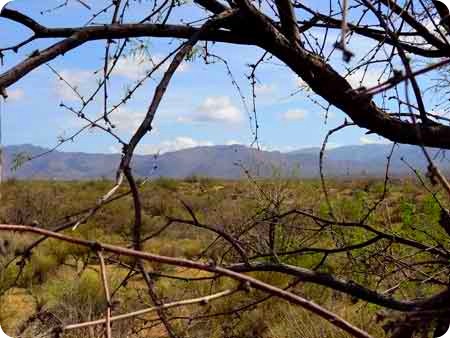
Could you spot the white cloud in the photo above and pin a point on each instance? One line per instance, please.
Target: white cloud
(215, 109)
(333, 145)
(373, 140)
(127, 120)
(131, 67)
(432, 28)
(178, 143)
(233, 142)
(264, 89)
(294, 115)
(15, 95)
(300, 83)
(136, 67)
(366, 79)
(80, 80)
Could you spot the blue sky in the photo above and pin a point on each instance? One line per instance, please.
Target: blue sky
(201, 107)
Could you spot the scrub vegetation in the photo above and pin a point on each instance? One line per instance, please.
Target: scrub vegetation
(57, 283)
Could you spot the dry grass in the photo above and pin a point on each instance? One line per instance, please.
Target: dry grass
(64, 279)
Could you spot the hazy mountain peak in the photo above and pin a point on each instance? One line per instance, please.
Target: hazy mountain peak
(218, 161)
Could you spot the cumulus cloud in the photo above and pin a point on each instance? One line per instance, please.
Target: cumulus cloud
(365, 79)
(80, 80)
(264, 89)
(127, 120)
(233, 143)
(300, 83)
(373, 140)
(333, 145)
(433, 28)
(178, 143)
(294, 115)
(135, 67)
(215, 109)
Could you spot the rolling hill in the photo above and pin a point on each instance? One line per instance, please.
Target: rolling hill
(221, 162)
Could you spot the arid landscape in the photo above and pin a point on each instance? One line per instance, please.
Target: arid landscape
(52, 281)
(224, 169)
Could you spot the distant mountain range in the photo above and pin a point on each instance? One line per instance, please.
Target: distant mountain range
(221, 162)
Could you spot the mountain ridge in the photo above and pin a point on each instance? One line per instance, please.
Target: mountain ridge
(221, 161)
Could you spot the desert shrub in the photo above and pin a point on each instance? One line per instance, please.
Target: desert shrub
(202, 180)
(52, 274)
(76, 299)
(17, 305)
(166, 183)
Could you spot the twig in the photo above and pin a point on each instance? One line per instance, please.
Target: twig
(107, 295)
(129, 315)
